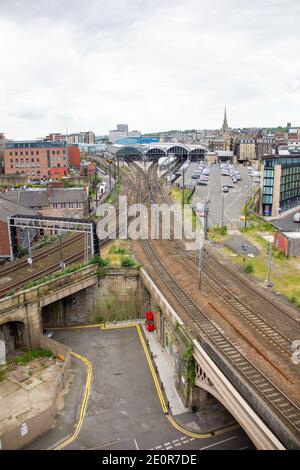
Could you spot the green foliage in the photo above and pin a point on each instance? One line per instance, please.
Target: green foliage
(28, 356)
(117, 250)
(128, 262)
(295, 301)
(279, 255)
(189, 365)
(249, 268)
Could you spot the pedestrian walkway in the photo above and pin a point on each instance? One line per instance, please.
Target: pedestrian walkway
(166, 372)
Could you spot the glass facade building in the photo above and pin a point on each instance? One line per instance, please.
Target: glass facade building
(281, 184)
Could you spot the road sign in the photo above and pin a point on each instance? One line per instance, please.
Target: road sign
(29, 261)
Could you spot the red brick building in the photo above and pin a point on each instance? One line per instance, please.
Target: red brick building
(74, 156)
(36, 159)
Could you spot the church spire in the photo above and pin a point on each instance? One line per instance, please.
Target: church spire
(225, 127)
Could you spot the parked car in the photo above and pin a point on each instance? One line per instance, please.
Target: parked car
(225, 189)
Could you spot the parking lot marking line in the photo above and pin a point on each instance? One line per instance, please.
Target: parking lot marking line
(84, 400)
(136, 444)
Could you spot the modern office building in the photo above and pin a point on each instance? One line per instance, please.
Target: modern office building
(36, 159)
(280, 183)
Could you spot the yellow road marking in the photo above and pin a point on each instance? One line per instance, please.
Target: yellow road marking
(137, 326)
(84, 401)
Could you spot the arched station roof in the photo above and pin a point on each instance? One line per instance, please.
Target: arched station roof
(156, 149)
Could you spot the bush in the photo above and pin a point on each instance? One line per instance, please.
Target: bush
(249, 268)
(127, 262)
(117, 250)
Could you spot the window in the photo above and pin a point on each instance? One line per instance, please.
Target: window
(10, 153)
(32, 159)
(63, 205)
(37, 159)
(54, 206)
(11, 160)
(37, 152)
(16, 153)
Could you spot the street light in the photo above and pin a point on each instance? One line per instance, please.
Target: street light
(271, 241)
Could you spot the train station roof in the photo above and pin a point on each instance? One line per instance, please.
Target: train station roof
(165, 147)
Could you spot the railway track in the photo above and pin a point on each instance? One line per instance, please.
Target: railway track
(75, 257)
(216, 274)
(212, 337)
(40, 254)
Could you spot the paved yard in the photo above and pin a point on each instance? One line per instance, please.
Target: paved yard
(123, 409)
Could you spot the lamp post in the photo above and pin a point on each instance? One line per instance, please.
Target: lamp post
(268, 281)
(222, 211)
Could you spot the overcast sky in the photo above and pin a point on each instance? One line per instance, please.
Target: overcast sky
(154, 64)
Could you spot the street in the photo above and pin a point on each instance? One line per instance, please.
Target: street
(123, 409)
(233, 200)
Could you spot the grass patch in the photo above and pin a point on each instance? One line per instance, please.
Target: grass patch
(217, 234)
(28, 356)
(176, 194)
(119, 255)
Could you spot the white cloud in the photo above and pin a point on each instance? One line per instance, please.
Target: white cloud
(154, 64)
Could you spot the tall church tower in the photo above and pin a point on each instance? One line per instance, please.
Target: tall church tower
(225, 132)
(225, 127)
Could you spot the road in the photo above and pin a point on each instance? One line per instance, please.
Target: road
(233, 201)
(123, 409)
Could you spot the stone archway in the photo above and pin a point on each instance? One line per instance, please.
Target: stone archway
(13, 335)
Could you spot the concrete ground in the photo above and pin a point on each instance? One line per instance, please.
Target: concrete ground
(236, 242)
(123, 409)
(26, 391)
(286, 222)
(233, 200)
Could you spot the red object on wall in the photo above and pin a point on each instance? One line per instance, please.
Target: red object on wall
(149, 321)
(149, 315)
(150, 326)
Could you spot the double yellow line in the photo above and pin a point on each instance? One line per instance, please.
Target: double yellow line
(84, 401)
(156, 383)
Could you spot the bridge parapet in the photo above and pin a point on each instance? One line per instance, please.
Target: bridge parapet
(35, 293)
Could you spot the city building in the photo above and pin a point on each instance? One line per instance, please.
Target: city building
(2, 146)
(9, 209)
(264, 147)
(81, 138)
(52, 201)
(74, 156)
(122, 128)
(115, 135)
(55, 137)
(245, 149)
(122, 132)
(36, 159)
(280, 183)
